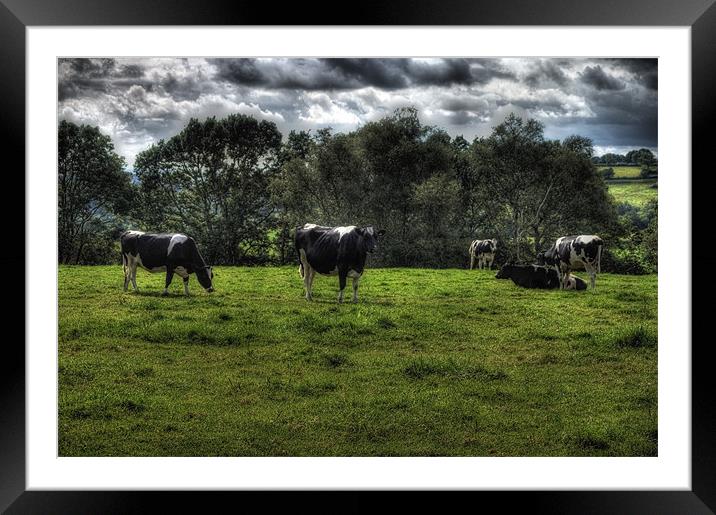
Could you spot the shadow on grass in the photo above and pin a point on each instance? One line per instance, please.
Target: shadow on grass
(159, 294)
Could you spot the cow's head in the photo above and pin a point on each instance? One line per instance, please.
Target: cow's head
(504, 272)
(205, 276)
(369, 237)
(494, 244)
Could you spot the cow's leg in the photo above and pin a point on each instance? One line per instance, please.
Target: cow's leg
(592, 274)
(170, 274)
(565, 277)
(472, 260)
(133, 273)
(480, 261)
(558, 268)
(186, 285)
(125, 267)
(491, 261)
(308, 281)
(342, 276)
(356, 280)
(307, 274)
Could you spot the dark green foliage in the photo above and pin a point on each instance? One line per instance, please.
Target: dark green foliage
(635, 251)
(211, 182)
(539, 190)
(93, 190)
(240, 191)
(607, 173)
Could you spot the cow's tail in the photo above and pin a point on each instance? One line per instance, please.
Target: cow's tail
(301, 271)
(599, 259)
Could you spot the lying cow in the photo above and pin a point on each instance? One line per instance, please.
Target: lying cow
(530, 276)
(170, 253)
(337, 251)
(575, 283)
(568, 252)
(484, 251)
(536, 276)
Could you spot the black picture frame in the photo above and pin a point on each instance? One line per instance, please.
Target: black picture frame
(16, 15)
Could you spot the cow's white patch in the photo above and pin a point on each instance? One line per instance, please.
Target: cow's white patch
(309, 226)
(586, 238)
(138, 233)
(181, 271)
(177, 238)
(342, 231)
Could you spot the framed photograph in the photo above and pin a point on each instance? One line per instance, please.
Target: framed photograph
(420, 250)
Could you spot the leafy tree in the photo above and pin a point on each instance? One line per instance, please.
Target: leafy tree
(541, 188)
(611, 159)
(643, 157)
(211, 181)
(607, 173)
(650, 238)
(92, 188)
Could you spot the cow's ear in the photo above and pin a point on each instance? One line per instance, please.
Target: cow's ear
(360, 230)
(381, 232)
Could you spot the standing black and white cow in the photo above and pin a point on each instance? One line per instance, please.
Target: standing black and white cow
(484, 251)
(170, 253)
(568, 252)
(337, 251)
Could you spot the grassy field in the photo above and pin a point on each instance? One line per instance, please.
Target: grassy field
(624, 172)
(636, 193)
(428, 363)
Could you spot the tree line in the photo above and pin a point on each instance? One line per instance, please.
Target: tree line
(240, 189)
(642, 157)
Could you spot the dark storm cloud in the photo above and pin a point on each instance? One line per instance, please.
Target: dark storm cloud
(546, 73)
(645, 70)
(138, 101)
(81, 76)
(596, 77)
(349, 73)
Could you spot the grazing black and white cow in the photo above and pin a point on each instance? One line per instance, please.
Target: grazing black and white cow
(484, 251)
(170, 253)
(337, 251)
(568, 252)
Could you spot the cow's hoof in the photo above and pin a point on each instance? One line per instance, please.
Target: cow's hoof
(165, 294)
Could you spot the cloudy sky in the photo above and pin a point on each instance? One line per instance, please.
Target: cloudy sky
(139, 101)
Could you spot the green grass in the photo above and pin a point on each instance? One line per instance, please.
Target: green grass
(624, 172)
(428, 363)
(637, 193)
